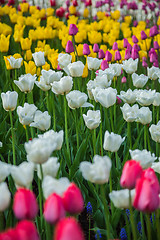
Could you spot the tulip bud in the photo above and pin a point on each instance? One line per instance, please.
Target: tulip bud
(26, 230)
(115, 46)
(73, 200)
(134, 54)
(132, 170)
(129, 47)
(88, 3)
(86, 50)
(9, 100)
(95, 48)
(69, 47)
(104, 65)
(10, 234)
(134, 39)
(144, 64)
(25, 204)
(60, 12)
(73, 29)
(156, 64)
(124, 80)
(53, 3)
(125, 42)
(143, 35)
(108, 56)
(153, 31)
(117, 56)
(156, 45)
(101, 54)
(68, 228)
(127, 54)
(75, 3)
(53, 209)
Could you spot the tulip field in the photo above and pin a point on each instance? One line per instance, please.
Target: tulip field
(80, 120)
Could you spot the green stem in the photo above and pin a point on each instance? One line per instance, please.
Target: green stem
(145, 137)
(111, 119)
(148, 223)
(13, 138)
(142, 224)
(76, 125)
(101, 140)
(107, 123)
(40, 199)
(129, 134)
(47, 102)
(157, 223)
(26, 129)
(66, 127)
(74, 45)
(89, 231)
(106, 211)
(94, 140)
(157, 114)
(2, 225)
(132, 217)
(153, 114)
(54, 113)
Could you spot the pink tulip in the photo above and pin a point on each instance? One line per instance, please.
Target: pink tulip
(108, 56)
(86, 50)
(73, 29)
(115, 46)
(26, 230)
(117, 56)
(104, 65)
(53, 209)
(132, 170)
(146, 195)
(10, 234)
(68, 229)
(69, 47)
(25, 204)
(143, 35)
(125, 42)
(101, 54)
(73, 200)
(95, 48)
(124, 80)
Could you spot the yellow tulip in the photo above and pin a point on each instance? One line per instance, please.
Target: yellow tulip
(4, 43)
(128, 19)
(24, 7)
(8, 66)
(30, 67)
(28, 55)
(85, 71)
(49, 12)
(18, 35)
(105, 37)
(100, 15)
(80, 50)
(86, 13)
(142, 54)
(115, 15)
(46, 66)
(53, 60)
(104, 48)
(72, 10)
(26, 43)
(94, 37)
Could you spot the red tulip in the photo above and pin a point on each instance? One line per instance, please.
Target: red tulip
(68, 229)
(60, 12)
(146, 195)
(75, 3)
(149, 173)
(26, 230)
(54, 209)
(53, 3)
(132, 170)
(10, 234)
(25, 204)
(73, 200)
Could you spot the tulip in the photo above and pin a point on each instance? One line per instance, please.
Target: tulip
(92, 119)
(153, 72)
(4, 170)
(108, 56)
(112, 141)
(9, 100)
(15, 63)
(53, 3)
(42, 120)
(125, 42)
(156, 45)
(64, 60)
(146, 195)
(51, 76)
(130, 66)
(123, 80)
(115, 46)
(52, 185)
(72, 199)
(23, 174)
(93, 63)
(26, 82)
(145, 97)
(86, 50)
(53, 209)
(116, 68)
(26, 230)
(143, 35)
(120, 198)
(39, 58)
(26, 113)
(134, 39)
(24, 204)
(69, 47)
(132, 171)
(139, 80)
(50, 168)
(95, 48)
(117, 56)
(104, 65)
(134, 54)
(68, 228)
(101, 54)
(129, 96)
(63, 86)
(73, 29)
(106, 97)
(5, 196)
(98, 171)
(76, 69)
(77, 99)
(153, 31)
(60, 12)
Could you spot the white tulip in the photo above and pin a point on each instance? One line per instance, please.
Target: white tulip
(76, 69)
(23, 174)
(120, 198)
(9, 100)
(15, 63)
(42, 84)
(39, 150)
(77, 99)
(26, 113)
(112, 141)
(129, 96)
(129, 113)
(51, 185)
(5, 196)
(42, 120)
(102, 81)
(39, 58)
(156, 167)
(107, 72)
(98, 171)
(63, 86)
(92, 119)
(51, 76)
(144, 157)
(93, 63)
(144, 115)
(145, 97)
(139, 80)
(153, 72)
(156, 101)
(90, 86)
(4, 170)
(155, 132)
(26, 82)
(54, 137)
(106, 97)
(116, 68)
(49, 168)
(130, 65)
(64, 60)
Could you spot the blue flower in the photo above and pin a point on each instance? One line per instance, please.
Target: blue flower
(123, 234)
(98, 234)
(89, 208)
(139, 227)
(127, 213)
